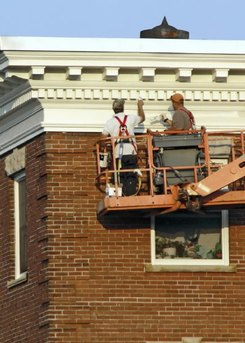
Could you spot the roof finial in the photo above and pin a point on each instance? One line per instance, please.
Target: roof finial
(164, 31)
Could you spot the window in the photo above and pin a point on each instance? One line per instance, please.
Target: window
(20, 225)
(183, 238)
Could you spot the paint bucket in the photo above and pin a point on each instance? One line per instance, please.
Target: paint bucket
(103, 159)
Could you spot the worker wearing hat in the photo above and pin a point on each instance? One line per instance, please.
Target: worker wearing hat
(182, 119)
(112, 126)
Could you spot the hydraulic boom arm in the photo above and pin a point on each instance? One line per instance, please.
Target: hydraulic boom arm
(223, 177)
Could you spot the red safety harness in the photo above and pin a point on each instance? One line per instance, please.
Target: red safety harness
(123, 131)
(190, 115)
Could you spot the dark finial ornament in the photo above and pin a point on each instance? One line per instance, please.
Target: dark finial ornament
(164, 31)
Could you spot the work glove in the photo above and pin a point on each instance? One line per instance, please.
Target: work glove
(163, 116)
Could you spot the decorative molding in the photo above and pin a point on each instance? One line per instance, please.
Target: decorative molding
(74, 73)
(147, 74)
(132, 94)
(110, 74)
(16, 102)
(184, 74)
(220, 75)
(15, 161)
(37, 72)
(94, 94)
(66, 88)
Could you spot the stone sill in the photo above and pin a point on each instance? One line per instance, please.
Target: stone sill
(149, 268)
(22, 278)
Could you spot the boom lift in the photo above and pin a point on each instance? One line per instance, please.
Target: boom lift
(187, 171)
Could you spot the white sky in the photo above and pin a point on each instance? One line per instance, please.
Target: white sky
(204, 19)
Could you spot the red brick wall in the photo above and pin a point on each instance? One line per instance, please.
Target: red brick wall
(86, 276)
(71, 212)
(24, 306)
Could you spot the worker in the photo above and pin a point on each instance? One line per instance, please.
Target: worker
(122, 124)
(182, 119)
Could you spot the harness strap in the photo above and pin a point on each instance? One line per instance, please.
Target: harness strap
(190, 115)
(122, 124)
(120, 133)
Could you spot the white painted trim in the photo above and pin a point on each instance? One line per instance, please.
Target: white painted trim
(225, 237)
(22, 278)
(76, 94)
(19, 177)
(122, 45)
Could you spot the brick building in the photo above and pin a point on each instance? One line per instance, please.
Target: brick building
(69, 275)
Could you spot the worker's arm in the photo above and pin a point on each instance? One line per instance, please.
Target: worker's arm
(103, 135)
(171, 123)
(141, 112)
(171, 126)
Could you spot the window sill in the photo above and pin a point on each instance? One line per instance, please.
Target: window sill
(150, 268)
(22, 278)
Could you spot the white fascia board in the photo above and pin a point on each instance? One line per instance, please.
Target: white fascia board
(25, 125)
(122, 45)
(115, 61)
(76, 120)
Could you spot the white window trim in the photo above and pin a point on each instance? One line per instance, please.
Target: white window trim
(195, 262)
(18, 274)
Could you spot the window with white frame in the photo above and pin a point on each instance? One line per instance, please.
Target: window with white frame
(20, 224)
(186, 238)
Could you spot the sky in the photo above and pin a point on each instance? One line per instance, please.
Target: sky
(203, 19)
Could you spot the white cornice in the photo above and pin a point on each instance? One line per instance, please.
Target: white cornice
(122, 45)
(68, 84)
(31, 119)
(70, 94)
(41, 59)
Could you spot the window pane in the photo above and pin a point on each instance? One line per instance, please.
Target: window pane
(22, 202)
(188, 236)
(22, 226)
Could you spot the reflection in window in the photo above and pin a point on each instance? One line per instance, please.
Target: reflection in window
(190, 237)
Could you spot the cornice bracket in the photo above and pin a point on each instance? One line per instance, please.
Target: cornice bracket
(37, 72)
(110, 74)
(220, 75)
(184, 74)
(74, 73)
(147, 74)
